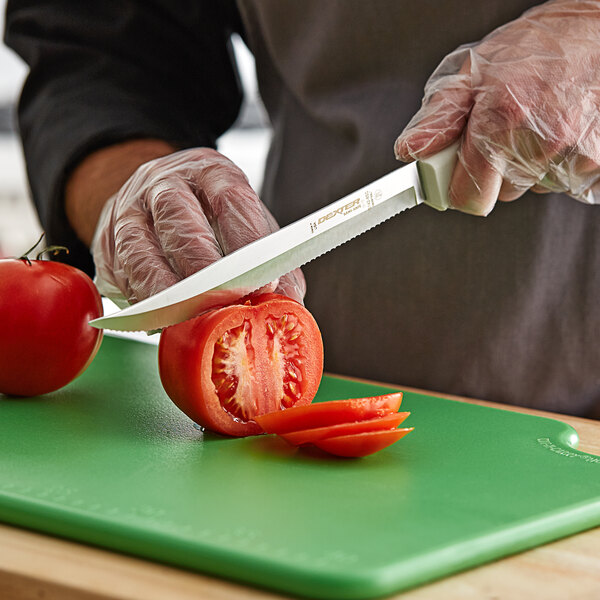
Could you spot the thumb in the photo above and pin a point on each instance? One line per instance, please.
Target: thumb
(443, 114)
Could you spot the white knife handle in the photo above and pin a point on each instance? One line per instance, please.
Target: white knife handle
(435, 174)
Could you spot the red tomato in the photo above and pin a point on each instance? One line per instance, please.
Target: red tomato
(361, 444)
(308, 436)
(334, 412)
(45, 339)
(230, 365)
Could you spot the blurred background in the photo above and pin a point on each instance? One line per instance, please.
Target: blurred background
(246, 144)
(18, 222)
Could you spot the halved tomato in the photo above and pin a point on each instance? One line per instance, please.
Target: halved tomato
(308, 436)
(227, 367)
(361, 444)
(334, 412)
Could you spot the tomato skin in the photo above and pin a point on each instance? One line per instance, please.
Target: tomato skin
(311, 436)
(361, 444)
(323, 414)
(248, 348)
(45, 338)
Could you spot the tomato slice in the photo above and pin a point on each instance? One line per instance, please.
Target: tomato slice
(230, 365)
(334, 412)
(307, 436)
(361, 444)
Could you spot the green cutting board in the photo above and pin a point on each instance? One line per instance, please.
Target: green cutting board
(109, 461)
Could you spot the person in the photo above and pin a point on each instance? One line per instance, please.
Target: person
(124, 103)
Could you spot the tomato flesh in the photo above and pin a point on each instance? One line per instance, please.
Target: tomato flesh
(283, 351)
(361, 444)
(350, 428)
(334, 412)
(233, 353)
(311, 436)
(230, 365)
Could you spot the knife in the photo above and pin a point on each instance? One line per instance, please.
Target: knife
(264, 260)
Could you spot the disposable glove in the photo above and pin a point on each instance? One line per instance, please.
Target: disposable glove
(526, 103)
(174, 216)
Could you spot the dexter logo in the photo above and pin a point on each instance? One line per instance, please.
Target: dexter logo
(342, 210)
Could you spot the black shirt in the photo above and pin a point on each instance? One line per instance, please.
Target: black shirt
(90, 86)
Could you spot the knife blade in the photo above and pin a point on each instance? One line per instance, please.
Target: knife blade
(264, 260)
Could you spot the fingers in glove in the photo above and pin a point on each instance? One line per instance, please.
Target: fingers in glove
(183, 230)
(234, 211)
(522, 159)
(292, 285)
(110, 246)
(475, 183)
(509, 191)
(576, 175)
(176, 215)
(143, 269)
(238, 217)
(592, 194)
(500, 165)
(443, 115)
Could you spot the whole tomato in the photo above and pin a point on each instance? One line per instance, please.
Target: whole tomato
(45, 338)
(232, 364)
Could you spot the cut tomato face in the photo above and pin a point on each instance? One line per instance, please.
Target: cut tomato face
(334, 412)
(308, 436)
(361, 444)
(227, 367)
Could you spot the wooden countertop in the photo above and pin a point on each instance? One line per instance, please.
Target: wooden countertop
(36, 566)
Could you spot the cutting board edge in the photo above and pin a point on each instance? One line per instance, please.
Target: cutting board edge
(372, 583)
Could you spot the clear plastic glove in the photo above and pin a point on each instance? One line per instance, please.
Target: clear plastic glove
(174, 216)
(526, 101)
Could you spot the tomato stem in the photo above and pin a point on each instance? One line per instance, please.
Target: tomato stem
(54, 250)
(25, 256)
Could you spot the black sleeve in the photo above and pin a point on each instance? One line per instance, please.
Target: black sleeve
(103, 72)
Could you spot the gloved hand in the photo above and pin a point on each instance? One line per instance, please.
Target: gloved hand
(174, 216)
(526, 101)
